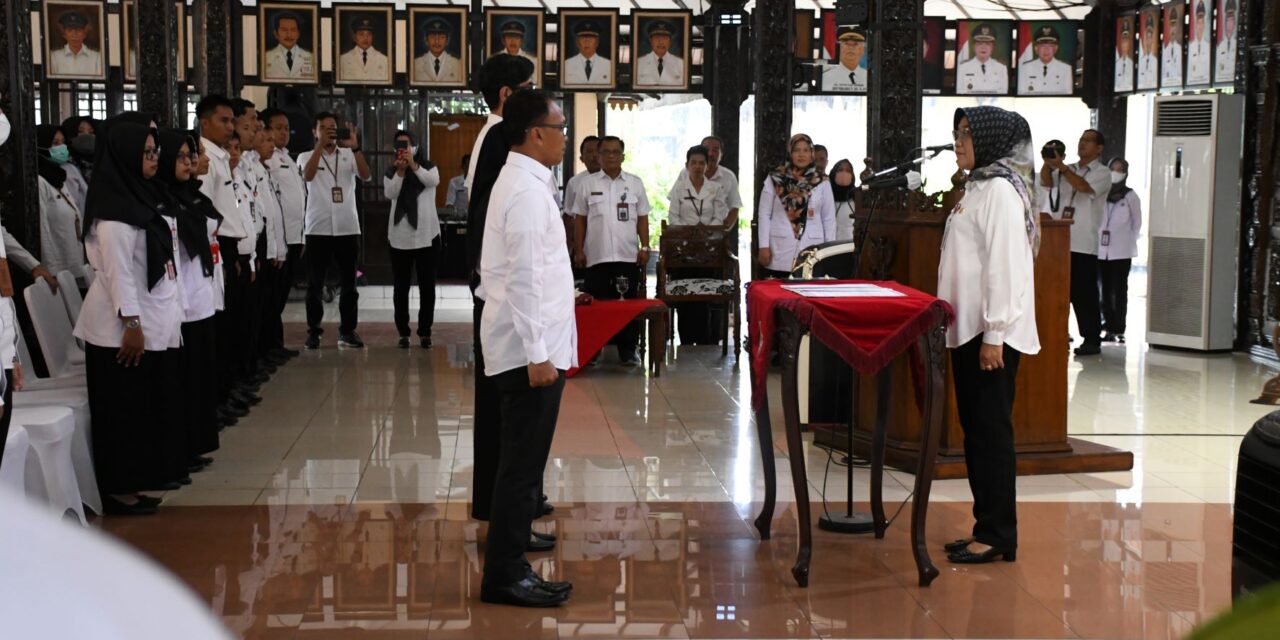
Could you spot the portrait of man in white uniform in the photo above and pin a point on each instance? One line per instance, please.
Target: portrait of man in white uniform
(439, 47)
(1149, 57)
(1125, 64)
(1171, 50)
(1199, 50)
(660, 60)
(287, 36)
(1224, 58)
(365, 35)
(847, 74)
(1045, 74)
(587, 41)
(73, 41)
(980, 71)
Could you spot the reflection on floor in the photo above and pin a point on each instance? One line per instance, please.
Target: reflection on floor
(339, 505)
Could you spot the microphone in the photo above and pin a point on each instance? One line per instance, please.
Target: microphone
(940, 147)
(910, 180)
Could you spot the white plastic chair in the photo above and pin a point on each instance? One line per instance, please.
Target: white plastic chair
(49, 315)
(89, 276)
(51, 431)
(76, 399)
(13, 467)
(69, 291)
(31, 382)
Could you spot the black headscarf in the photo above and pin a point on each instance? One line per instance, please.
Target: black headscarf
(52, 172)
(184, 202)
(1002, 149)
(843, 193)
(118, 192)
(407, 201)
(1119, 189)
(71, 126)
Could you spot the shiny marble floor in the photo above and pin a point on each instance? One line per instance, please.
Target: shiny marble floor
(338, 507)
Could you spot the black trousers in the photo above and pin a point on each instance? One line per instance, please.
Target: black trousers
(486, 432)
(199, 386)
(232, 322)
(770, 274)
(600, 284)
(8, 409)
(288, 277)
(138, 439)
(321, 251)
(1084, 296)
(696, 322)
(1115, 293)
(984, 402)
(271, 334)
(528, 424)
(257, 285)
(404, 264)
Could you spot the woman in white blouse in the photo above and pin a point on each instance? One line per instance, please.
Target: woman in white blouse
(696, 201)
(1117, 247)
(797, 210)
(987, 274)
(415, 224)
(60, 246)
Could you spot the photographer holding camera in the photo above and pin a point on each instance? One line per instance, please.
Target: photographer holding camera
(1082, 197)
(1049, 201)
(410, 183)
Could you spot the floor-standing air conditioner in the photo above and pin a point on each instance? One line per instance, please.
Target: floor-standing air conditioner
(1194, 217)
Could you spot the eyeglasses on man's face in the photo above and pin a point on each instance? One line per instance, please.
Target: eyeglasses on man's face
(563, 127)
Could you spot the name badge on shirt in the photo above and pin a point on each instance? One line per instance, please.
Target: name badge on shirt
(337, 195)
(1106, 238)
(624, 211)
(216, 251)
(171, 270)
(1068, 213)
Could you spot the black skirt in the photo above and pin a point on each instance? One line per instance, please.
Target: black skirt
(199, 386)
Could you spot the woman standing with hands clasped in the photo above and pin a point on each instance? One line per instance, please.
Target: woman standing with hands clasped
(987, 274)
(796, 210)
(415, 224)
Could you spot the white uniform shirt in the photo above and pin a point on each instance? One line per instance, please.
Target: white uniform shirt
(976, 77)
(424, 68)
(219, 186)
(837, 77)
(270, 215)
(600, 199)
(353, 65)
(1148, 71)
(202, 295)
(76, 186)
(1225, 60)
(776, 234)
(85, 63)
(844, 219)
(1171, 65)
(571, 190)
(278, 64)
(8, 324)
(324, 216)
(1120, 228)
(689, 206)
(726, 179)
(60, 246)
(528, 281)
(1124, 73)
(287, 176)
(18, 254)
(401, 234)
(252, 190)
(1089, 209)
(5, 127)
(1038, 78)
(1199, 61)
(475, 148)
(575, 71)
(456, 195)
(647, 71)
(118, 253)
(987, 269)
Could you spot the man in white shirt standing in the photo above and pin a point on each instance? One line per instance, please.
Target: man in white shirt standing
(272, 251)
(660, 67)
(1198, 49)
(287, 176)
(75, 59)
(333, 225)
(529, 338)
(1083, 198)
(588, 67)
(437, 65)
(287, 60)
(982, 73)
(1225, 57)
(589, 154)
(611, 236)
(1046, 74)
(363, 62)
(456, 195)
(252, 193)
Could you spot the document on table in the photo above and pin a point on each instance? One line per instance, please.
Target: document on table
(846, 290)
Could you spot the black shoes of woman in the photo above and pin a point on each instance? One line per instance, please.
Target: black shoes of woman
(965, 556)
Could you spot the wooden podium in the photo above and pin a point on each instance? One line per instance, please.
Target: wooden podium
(904, 244)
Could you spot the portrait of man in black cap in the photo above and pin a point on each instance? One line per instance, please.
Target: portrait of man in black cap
(439, 46)
(286, 39)
(1149, 56)
(516, 33)
(660, 49)
(1171, 50)
(1041, 69)
(586, 38)
(846, 73)
(980, 70)
(73, 40)
(1124, 53)
(365, 33)
(1224, 67)
(1199, 51)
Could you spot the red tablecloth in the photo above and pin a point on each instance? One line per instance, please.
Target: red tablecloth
(867, 333)
(601, 320)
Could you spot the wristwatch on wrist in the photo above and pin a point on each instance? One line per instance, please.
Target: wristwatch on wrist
(133, 323)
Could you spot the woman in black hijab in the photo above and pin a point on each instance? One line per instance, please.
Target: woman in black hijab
(131, 323)
(410, 183)
(60, 245)
(78, 135)
(844, 184)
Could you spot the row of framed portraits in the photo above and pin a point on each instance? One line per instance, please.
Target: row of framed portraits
(74, 40)
(1150, 45)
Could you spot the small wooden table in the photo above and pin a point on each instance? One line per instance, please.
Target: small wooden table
(601, 320)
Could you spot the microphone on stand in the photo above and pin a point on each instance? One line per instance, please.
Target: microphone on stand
(886, 179)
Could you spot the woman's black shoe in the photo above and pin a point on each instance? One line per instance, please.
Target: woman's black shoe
(114, 507)
(965, 556)
(148, 500)
(426, 342)
(165, 486)
(957, 545)
(404, 342)
(184, 480)
(202, 460)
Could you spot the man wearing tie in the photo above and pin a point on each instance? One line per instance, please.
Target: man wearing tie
(588, 68)
(1198, 49)
(363, 63)
(1149, 61)
(288, 61)
(848, 74)
(1225, 67)
(437, 66)
(1045, 75)
(1124, 56)
(1171, 54)
(659, 67)
(982, 74)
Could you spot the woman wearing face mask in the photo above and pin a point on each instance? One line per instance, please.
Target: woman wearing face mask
(987, 274)
(796, 210)
(61, 248)
(1117, 246)
(78, 135)
(411, 184)
(843, 190)
(131, 323)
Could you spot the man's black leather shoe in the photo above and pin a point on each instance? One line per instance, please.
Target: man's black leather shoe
(545, 508)
(525, 593)
(537, 544)
(548, 537)
(553, 587)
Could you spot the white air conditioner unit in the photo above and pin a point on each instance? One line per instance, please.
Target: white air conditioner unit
(1194, 220)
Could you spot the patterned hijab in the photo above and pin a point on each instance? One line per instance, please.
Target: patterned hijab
(794, 192)
(1002, 149)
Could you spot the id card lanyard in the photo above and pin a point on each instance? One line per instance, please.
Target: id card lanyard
(1069, 211)
(337, 189)
(624, 209)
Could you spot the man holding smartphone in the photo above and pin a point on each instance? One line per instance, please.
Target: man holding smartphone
(332, 224)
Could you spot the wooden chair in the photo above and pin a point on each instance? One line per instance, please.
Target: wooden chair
(705, 248)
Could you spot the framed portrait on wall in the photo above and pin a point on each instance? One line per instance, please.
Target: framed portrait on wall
(982, 57)
(660, 50)
(1199, 44)
(74, 40)
(130, 53)
(588, 49)
(1046, 57)
(517, 33)
(1224, 55)
(846, 72)
(1148, 48)
(362, 38)
(1126, 61)
(1171, 50)
(438, 37)
(288, 37)
(934, 55)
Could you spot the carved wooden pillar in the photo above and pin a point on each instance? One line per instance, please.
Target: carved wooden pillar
(1257, 75)
(771, 50)
(1110, 112)
(893, 80)
(18, 199)
(156, 23)
(212, 40)
(728, 79)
